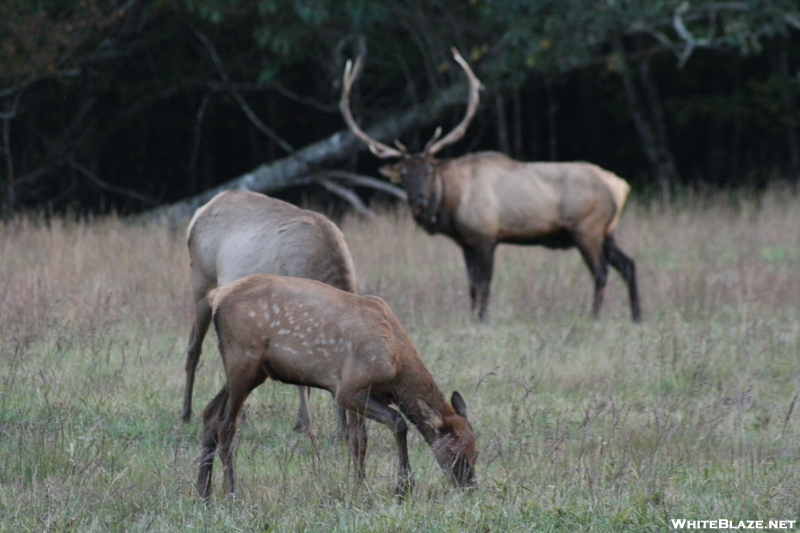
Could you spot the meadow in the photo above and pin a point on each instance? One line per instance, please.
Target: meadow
(582, 425)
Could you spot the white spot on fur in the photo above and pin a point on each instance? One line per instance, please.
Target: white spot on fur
(251, 314)
(276, 309)
(286, 348)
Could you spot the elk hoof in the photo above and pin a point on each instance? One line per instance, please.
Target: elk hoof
(305, 429)
(404, 489)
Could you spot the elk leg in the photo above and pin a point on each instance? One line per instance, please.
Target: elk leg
(625, 266)
(480, 262)
(356, 436)
(199, 329)
(597, 262)
(219, 422)
(303, 421)
(227, 431)
(211, 418)
(365, 405)
(341, 415)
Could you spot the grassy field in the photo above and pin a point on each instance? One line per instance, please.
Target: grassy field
(582, 425)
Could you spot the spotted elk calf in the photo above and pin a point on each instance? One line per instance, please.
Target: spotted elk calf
(307, 333)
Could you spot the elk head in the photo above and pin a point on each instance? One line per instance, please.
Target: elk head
(417, 172)
(452, 442)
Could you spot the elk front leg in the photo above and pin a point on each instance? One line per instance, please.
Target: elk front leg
(356, 437)
(594, 256)
(303, 421)
(480, 262)
(199, 329)
(365, 405)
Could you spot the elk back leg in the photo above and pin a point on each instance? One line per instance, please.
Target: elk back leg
(627, 268)
(480, 263)
(212, 415)
(244, 375)
(199, 329)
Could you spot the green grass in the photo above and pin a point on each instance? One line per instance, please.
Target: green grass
(582, 425)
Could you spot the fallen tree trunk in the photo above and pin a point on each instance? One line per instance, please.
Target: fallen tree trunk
(293, 169)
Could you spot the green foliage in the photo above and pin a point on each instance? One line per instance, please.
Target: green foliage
(108, 102)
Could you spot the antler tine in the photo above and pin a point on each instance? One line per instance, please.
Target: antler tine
(436, 135)
(376, 147)
(474, 98)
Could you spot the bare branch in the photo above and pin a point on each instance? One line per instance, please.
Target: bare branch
(347, 195)
(366, 181)
(91, 176)
(792, 21)
(248, 111)
(198, 122)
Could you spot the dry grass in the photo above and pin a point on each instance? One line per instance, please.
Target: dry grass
(582, 425)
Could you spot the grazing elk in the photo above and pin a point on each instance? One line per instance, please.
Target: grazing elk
(304, 332)
(238, 233)
(485, 198)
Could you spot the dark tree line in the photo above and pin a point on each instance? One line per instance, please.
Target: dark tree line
(129, 104)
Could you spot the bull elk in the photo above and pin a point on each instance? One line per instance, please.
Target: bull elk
(238, 233)
(308, 333)
(486, 198)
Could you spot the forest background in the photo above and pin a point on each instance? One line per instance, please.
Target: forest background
(121, 105)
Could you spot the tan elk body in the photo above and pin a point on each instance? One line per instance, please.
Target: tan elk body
(486, 198)
(307, 333)
(238, 233)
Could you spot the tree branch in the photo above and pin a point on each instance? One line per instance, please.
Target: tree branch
(248, 111)
(293, 168)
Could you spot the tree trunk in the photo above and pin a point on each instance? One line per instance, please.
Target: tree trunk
(502, 126)
(789, 112)
(652, 131)
(552, 109)
(294, 168)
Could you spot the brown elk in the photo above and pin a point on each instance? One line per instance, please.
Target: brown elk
(305, 332)
(238, 233)
(483, 199)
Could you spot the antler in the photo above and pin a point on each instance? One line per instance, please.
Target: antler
(474, 87)
(376, 147)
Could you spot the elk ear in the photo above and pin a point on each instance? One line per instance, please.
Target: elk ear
(458, 404)
(429, 416)
(392, 172)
